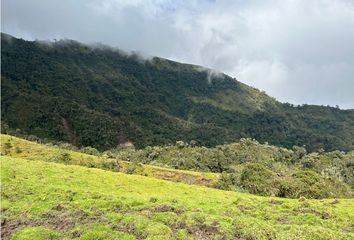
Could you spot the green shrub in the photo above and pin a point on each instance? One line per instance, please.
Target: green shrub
(18, 149)
(110, 165)
(33, 138)
(62, 157)
(135, 168)
(257, 179)
(228, 181)
(307, 177)
(90, 150)
(7, 147)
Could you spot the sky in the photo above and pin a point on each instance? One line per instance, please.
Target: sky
(298, 51)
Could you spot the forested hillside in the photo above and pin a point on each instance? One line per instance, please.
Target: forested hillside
(101, 97)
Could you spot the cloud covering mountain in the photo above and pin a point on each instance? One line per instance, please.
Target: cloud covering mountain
(297, 51)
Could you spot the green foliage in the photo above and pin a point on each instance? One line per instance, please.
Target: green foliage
(18, 149)
(308, 177)
(36, 151)
(90, 150)
(228, 181)
(258, 179)
(62, 157)
(99, 97)
(246, 166)
(258, 168)
(7, 147)
(135, 168)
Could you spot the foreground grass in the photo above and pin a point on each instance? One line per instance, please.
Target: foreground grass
(43, 200)
(17, 147)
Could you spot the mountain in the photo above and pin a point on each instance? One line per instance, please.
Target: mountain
(102, 97)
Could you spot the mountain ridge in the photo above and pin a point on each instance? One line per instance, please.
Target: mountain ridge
(107, 97)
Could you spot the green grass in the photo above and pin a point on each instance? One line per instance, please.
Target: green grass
(44, 200)
(247, 101)
(33, 151)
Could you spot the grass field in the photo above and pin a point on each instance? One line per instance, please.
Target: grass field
(43, 200)
(17, 147)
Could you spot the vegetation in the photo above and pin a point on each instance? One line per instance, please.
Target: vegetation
(64, 154)
(45, 200)
(100, 97)
(257, 168)
(246, 166)
(119, 147)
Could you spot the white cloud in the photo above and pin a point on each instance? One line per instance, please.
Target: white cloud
(296, 50)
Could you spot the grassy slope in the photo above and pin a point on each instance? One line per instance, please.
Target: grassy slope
(42, 200)
(29, 150)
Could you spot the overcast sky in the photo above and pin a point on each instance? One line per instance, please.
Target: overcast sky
(299, 51)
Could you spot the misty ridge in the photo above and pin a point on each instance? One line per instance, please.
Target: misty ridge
(66, 44)
(285, 48)
(138, 56)
(150, 101)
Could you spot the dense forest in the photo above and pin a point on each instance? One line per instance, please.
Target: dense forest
(102, 97)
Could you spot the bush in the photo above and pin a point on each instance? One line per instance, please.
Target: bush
(228, 181)
(18, 149)
(308, 177)
(135, 168)
(90, 150)
(181, 144)
(33, 138)
(7, 147)
(62, 157)
(257, 179)
(111, 165)
(67, 146)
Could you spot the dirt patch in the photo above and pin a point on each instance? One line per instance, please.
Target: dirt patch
(203, 231)
(130, 229)
(245, 209)
(167, 208)
(323, 215)
(283, 220)
(63, 220)
(276, 202)
(179, 225)
(335, 202)
(9, 228)
(57, 219)
(205, 182)
(197, 210)
(58, 207)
